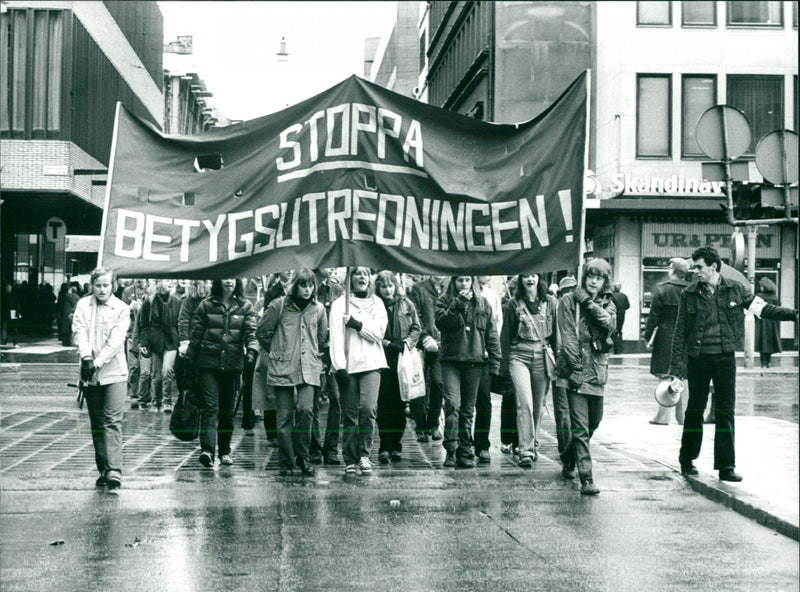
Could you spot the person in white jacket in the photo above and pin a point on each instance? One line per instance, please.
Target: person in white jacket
(356, 335)
(99, 328)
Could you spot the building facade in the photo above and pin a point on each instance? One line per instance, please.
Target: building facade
(393, 60)
(63, 67)
(656, 67)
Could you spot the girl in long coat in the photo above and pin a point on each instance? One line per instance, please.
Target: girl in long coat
(292, 334)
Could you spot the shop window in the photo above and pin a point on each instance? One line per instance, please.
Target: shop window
(654, 14)
(698, 94)
(750, 13)
(699, 14)
(760, 98)
(653, 116)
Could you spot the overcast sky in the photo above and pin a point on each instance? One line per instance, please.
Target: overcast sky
(235, 47)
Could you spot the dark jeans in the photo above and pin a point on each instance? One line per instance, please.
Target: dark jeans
(248, 415)
(585, 414)
(483, 412)
(508, 418)
(316, 446)
(334, 421)
(391, 411)
(271, 423)
(105, 405)
(721, 369)
(427, 411)
(461, 382)
(217, 392)
(294, 422)
(561, 415)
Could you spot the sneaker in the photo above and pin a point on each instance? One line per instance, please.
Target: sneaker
(568, 473)
(436, 435)
(226, 459)
(167, 409)
(505, 448)
(101, 481)
(484, 458)
(206, 459)
(588, 487)
(315, 458)
(383, 457)
(526, 462)
(422, 437)
(450, 459)
(465, 462)
(396, 456)
(285, 471)
(145, 407)
(331, 459)
(305, 467)
(134, 404)
(365, 465)
(351, 470)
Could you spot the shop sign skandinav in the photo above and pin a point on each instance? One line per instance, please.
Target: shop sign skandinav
(679, 239)
(626, 184)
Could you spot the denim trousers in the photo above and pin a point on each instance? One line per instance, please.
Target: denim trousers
(334, 421)
(461, 381)
(217, 398)
(561, 416)
(526, 365)
(359, 400)
(294, 422)
(316, 445)
(105, 404)
(427, 411)
(701, 371)
(508, 419)
(391, 411)
(483, 412)
(143, 391)
(585, 414)
(132, 357)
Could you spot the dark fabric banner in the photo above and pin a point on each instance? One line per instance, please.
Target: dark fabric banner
(357, 175)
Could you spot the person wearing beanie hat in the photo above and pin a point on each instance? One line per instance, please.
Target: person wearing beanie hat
(659, 329)
(566, 284)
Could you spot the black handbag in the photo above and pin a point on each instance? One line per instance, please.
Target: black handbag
(185, 421)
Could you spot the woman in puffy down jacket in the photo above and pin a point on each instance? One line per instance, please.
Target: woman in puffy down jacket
(223, 329)
(356, 343)
(586, 319)
(291, 334)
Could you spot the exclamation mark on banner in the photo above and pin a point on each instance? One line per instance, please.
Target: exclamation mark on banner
(565, 197)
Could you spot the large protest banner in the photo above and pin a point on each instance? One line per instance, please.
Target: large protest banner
(357, 175)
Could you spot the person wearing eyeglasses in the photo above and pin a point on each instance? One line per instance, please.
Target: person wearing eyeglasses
(708, 331)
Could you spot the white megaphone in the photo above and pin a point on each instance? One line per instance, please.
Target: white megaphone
(668, 392)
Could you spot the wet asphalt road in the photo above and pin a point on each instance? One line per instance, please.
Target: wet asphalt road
(245, 528)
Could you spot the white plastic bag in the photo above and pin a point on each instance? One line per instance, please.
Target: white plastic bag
(410, 374)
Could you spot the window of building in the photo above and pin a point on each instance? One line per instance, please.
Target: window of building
(760, 98)
(423, 43)
(698, 93)
(699, 14)
(31, 52)
(654, 14)
(653, 119)
(755, 13)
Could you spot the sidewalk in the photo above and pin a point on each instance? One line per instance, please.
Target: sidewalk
(767, 458)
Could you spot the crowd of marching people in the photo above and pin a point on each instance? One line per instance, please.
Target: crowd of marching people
(284, 348)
